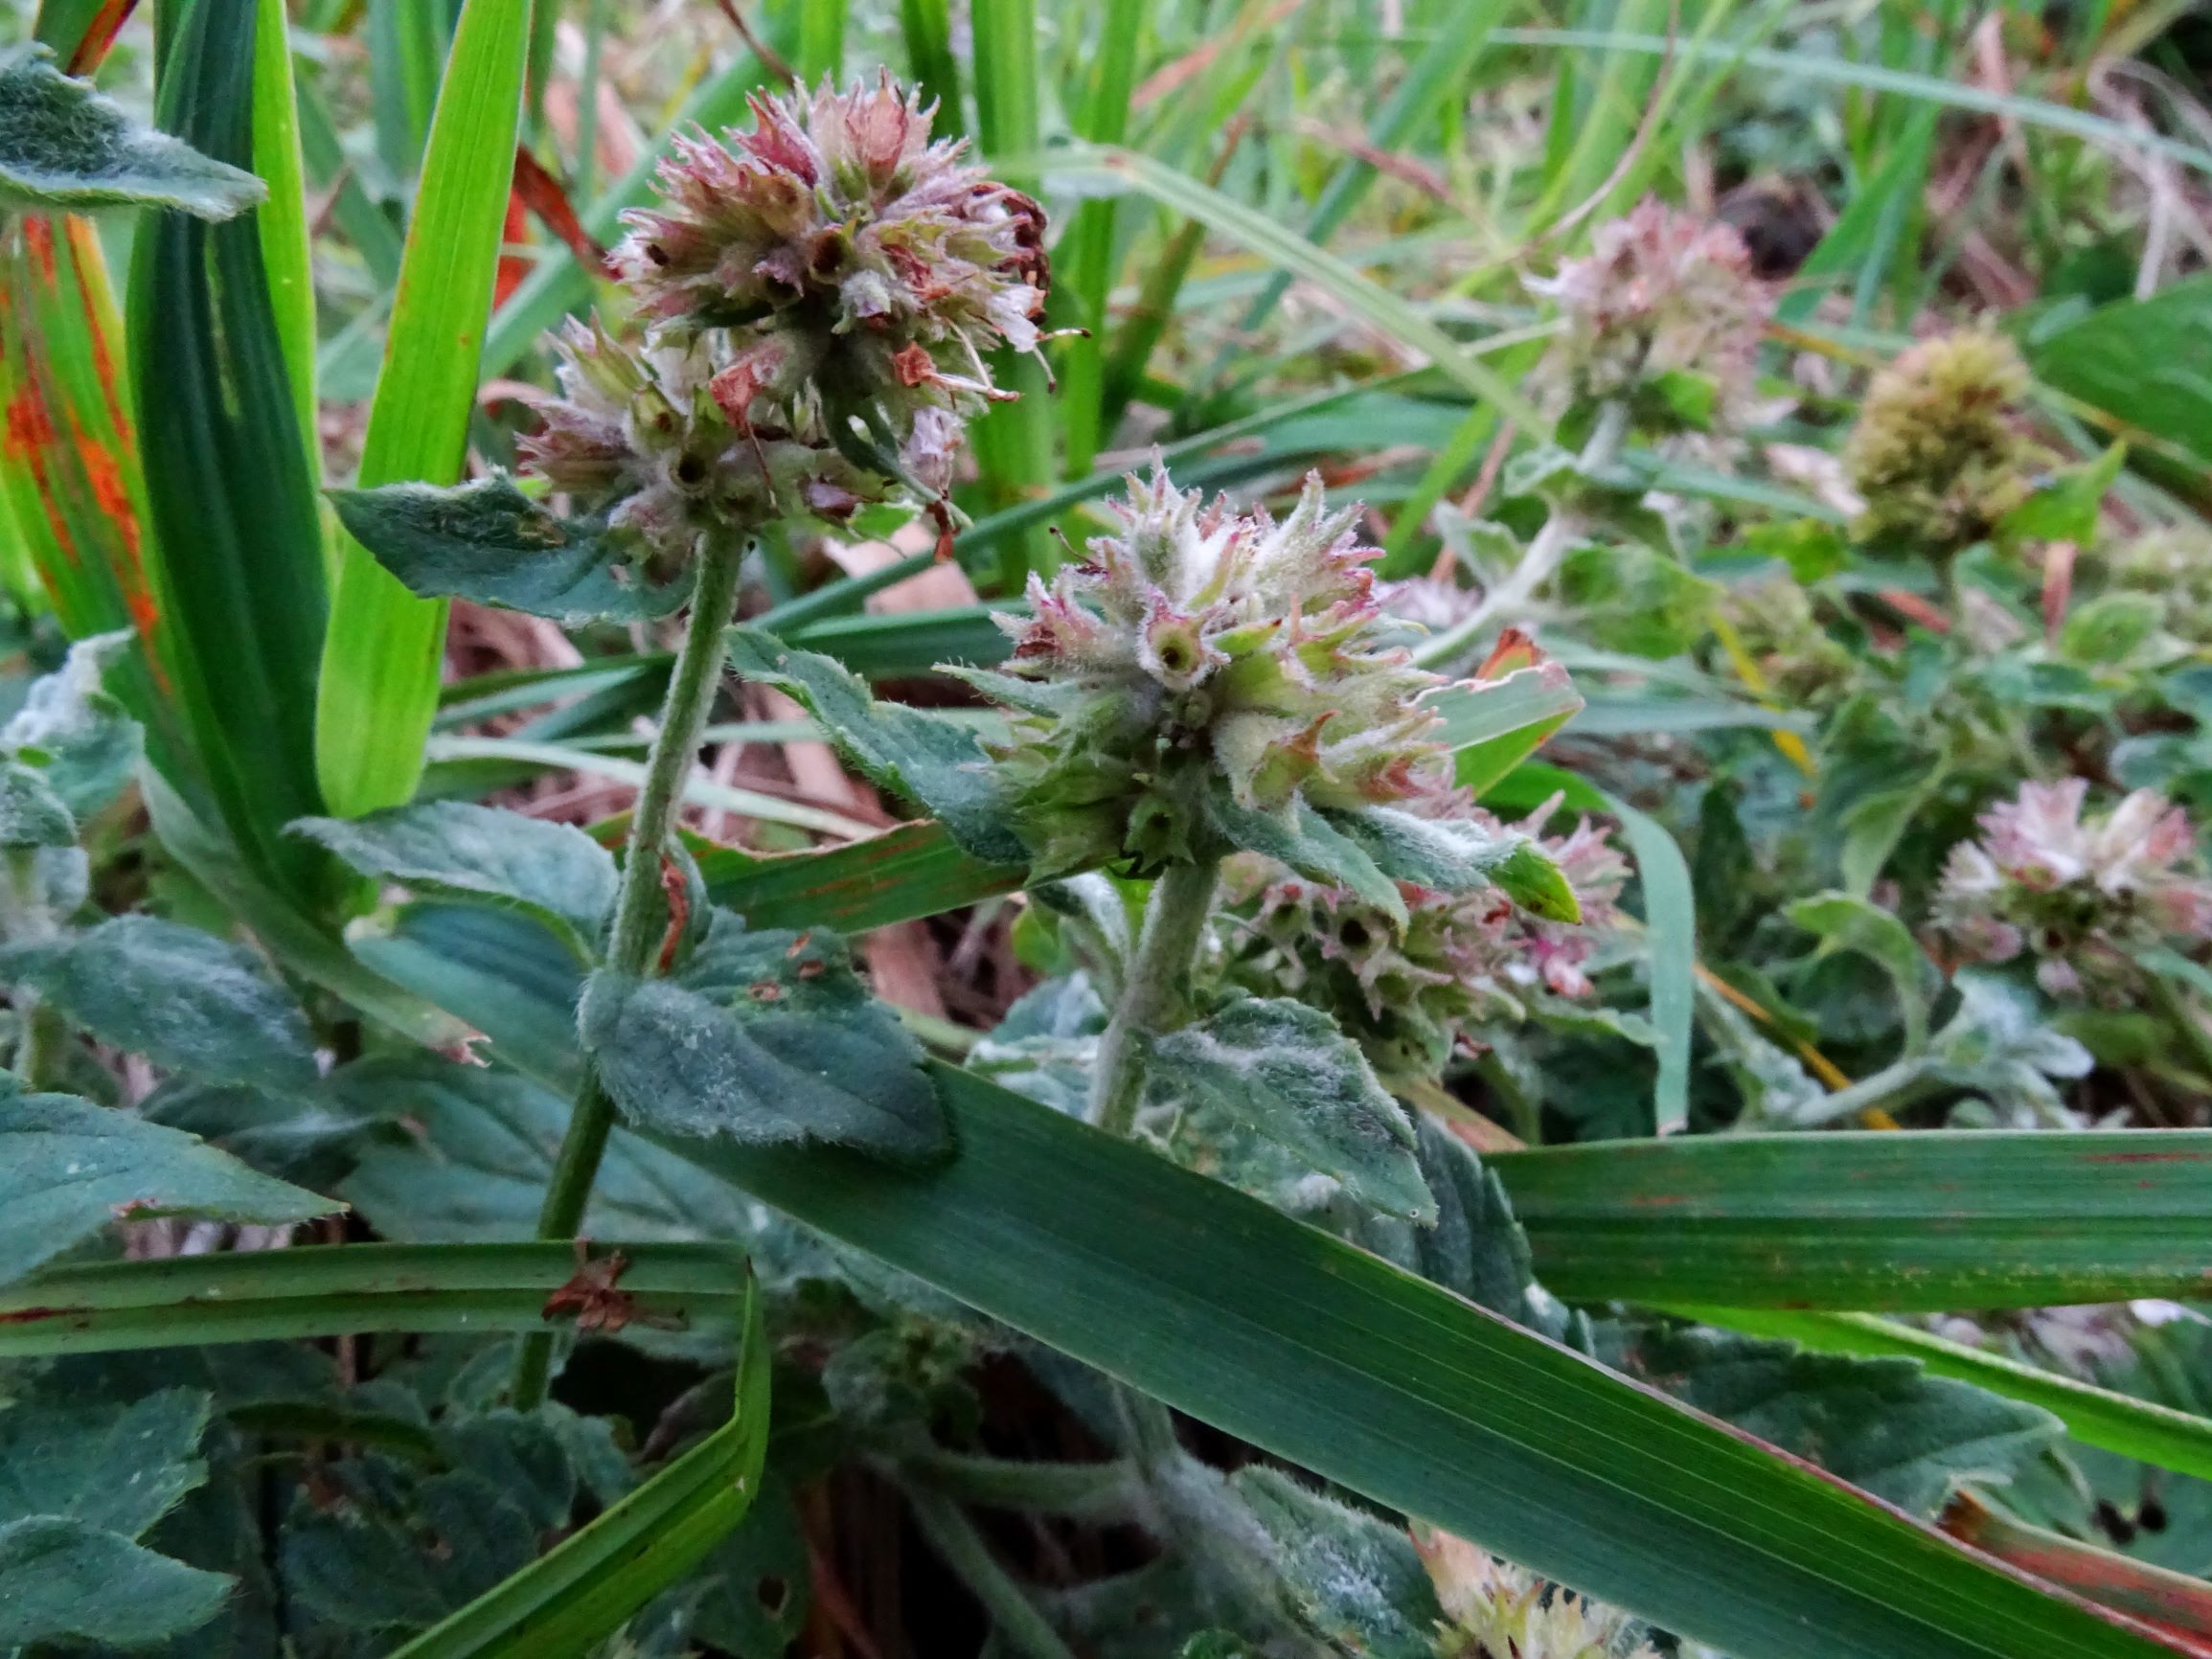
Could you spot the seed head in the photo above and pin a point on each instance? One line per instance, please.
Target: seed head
(2083, 895)
(1938, 453)
(1202, 650)
(1660, 293)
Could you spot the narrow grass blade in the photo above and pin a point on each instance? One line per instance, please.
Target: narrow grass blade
(1869, 1222)
(1086, 252)
(232, 506)
(379, 669)
(585, 1587)
(2177, 1605)
(1401, 1391)
(902, 874)
(1250, 228)
(2101, 1417)
(928, 26)
(284, 217)
(1671, 941)
(345, 1290)
(821, 41)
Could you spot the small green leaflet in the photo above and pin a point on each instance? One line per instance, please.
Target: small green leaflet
(762, 1037)
(1352, 1579)
(488, 542)
(934, 762)
(64, 146)
(72, 1167)
(184, 999)
(31, 813)
(1460, 855)
(74, 731)
(553, 873)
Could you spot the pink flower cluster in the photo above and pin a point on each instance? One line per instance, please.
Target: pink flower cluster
(2082, 894)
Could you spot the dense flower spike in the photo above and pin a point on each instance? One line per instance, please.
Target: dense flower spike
(1464, 960)
(1202, 650)
(1938, 453)
(1500, 1611)
(861, 272)
(1662, 293)
(2083, 895)
(1800, 660)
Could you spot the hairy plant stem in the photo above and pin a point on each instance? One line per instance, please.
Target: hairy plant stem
(639, 910)
(1151, 990)
(42, 1040)
(1511, 598)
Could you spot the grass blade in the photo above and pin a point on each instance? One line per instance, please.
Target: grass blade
(284, 217)
(1929, 1220)
(343, 1290)
(928, 26)
(2134, 1429)
(232, 505)
(1671, 941)
(567, 1600)
(1401, 1391)
(1085, 254)
(1254, 230)
(380, 670)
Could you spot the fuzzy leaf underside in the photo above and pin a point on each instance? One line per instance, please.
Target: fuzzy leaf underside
(72, 1167)
(64, 146)
(919, 757)
(487, 541)
(1285, 1071)
(763, 1036)
(457, 850)
(184, 999)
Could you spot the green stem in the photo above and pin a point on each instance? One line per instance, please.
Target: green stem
(1092, 1492)
(1013, 1614)
(43, 1035)
(2182, 1017)
(1152, 989)
(640, 910)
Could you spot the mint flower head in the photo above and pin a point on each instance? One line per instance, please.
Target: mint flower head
(1498, 1610)
(1203, 660)
(1938, 453)
(859, 271)
(2082, 894)
(1662, 294)
(1412, 997)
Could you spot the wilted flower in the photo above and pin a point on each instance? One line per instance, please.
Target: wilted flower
(1500, 1611)
(2083, 895)
(1662, 294)
(1463, 960)
(859, 271)
(1204, 658)
(1938, 454)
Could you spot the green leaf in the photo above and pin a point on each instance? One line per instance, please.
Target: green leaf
(553, 873)
(1312, 844)
(78, 1483)
(61, 1580)
(1492, 727)
(73, 1167)
(762, 1036)
(64, 146)
(184, 999)
(917, 756)
(584, 1589)
(1634, 599)
(1931, 1220)
(1882, 1424)
(31, 813)
(1354, 1580)
(2066, 507)
(261, 1295)
(380, 661)
(1284, 1071)
(79, 737)
(2133, 359)
(479, 1153)
(1458, 855)
(1845, 921)
(2111, 628)
(913, 871)
(487, 541)
(1396, 1389)
(2100, 1417)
